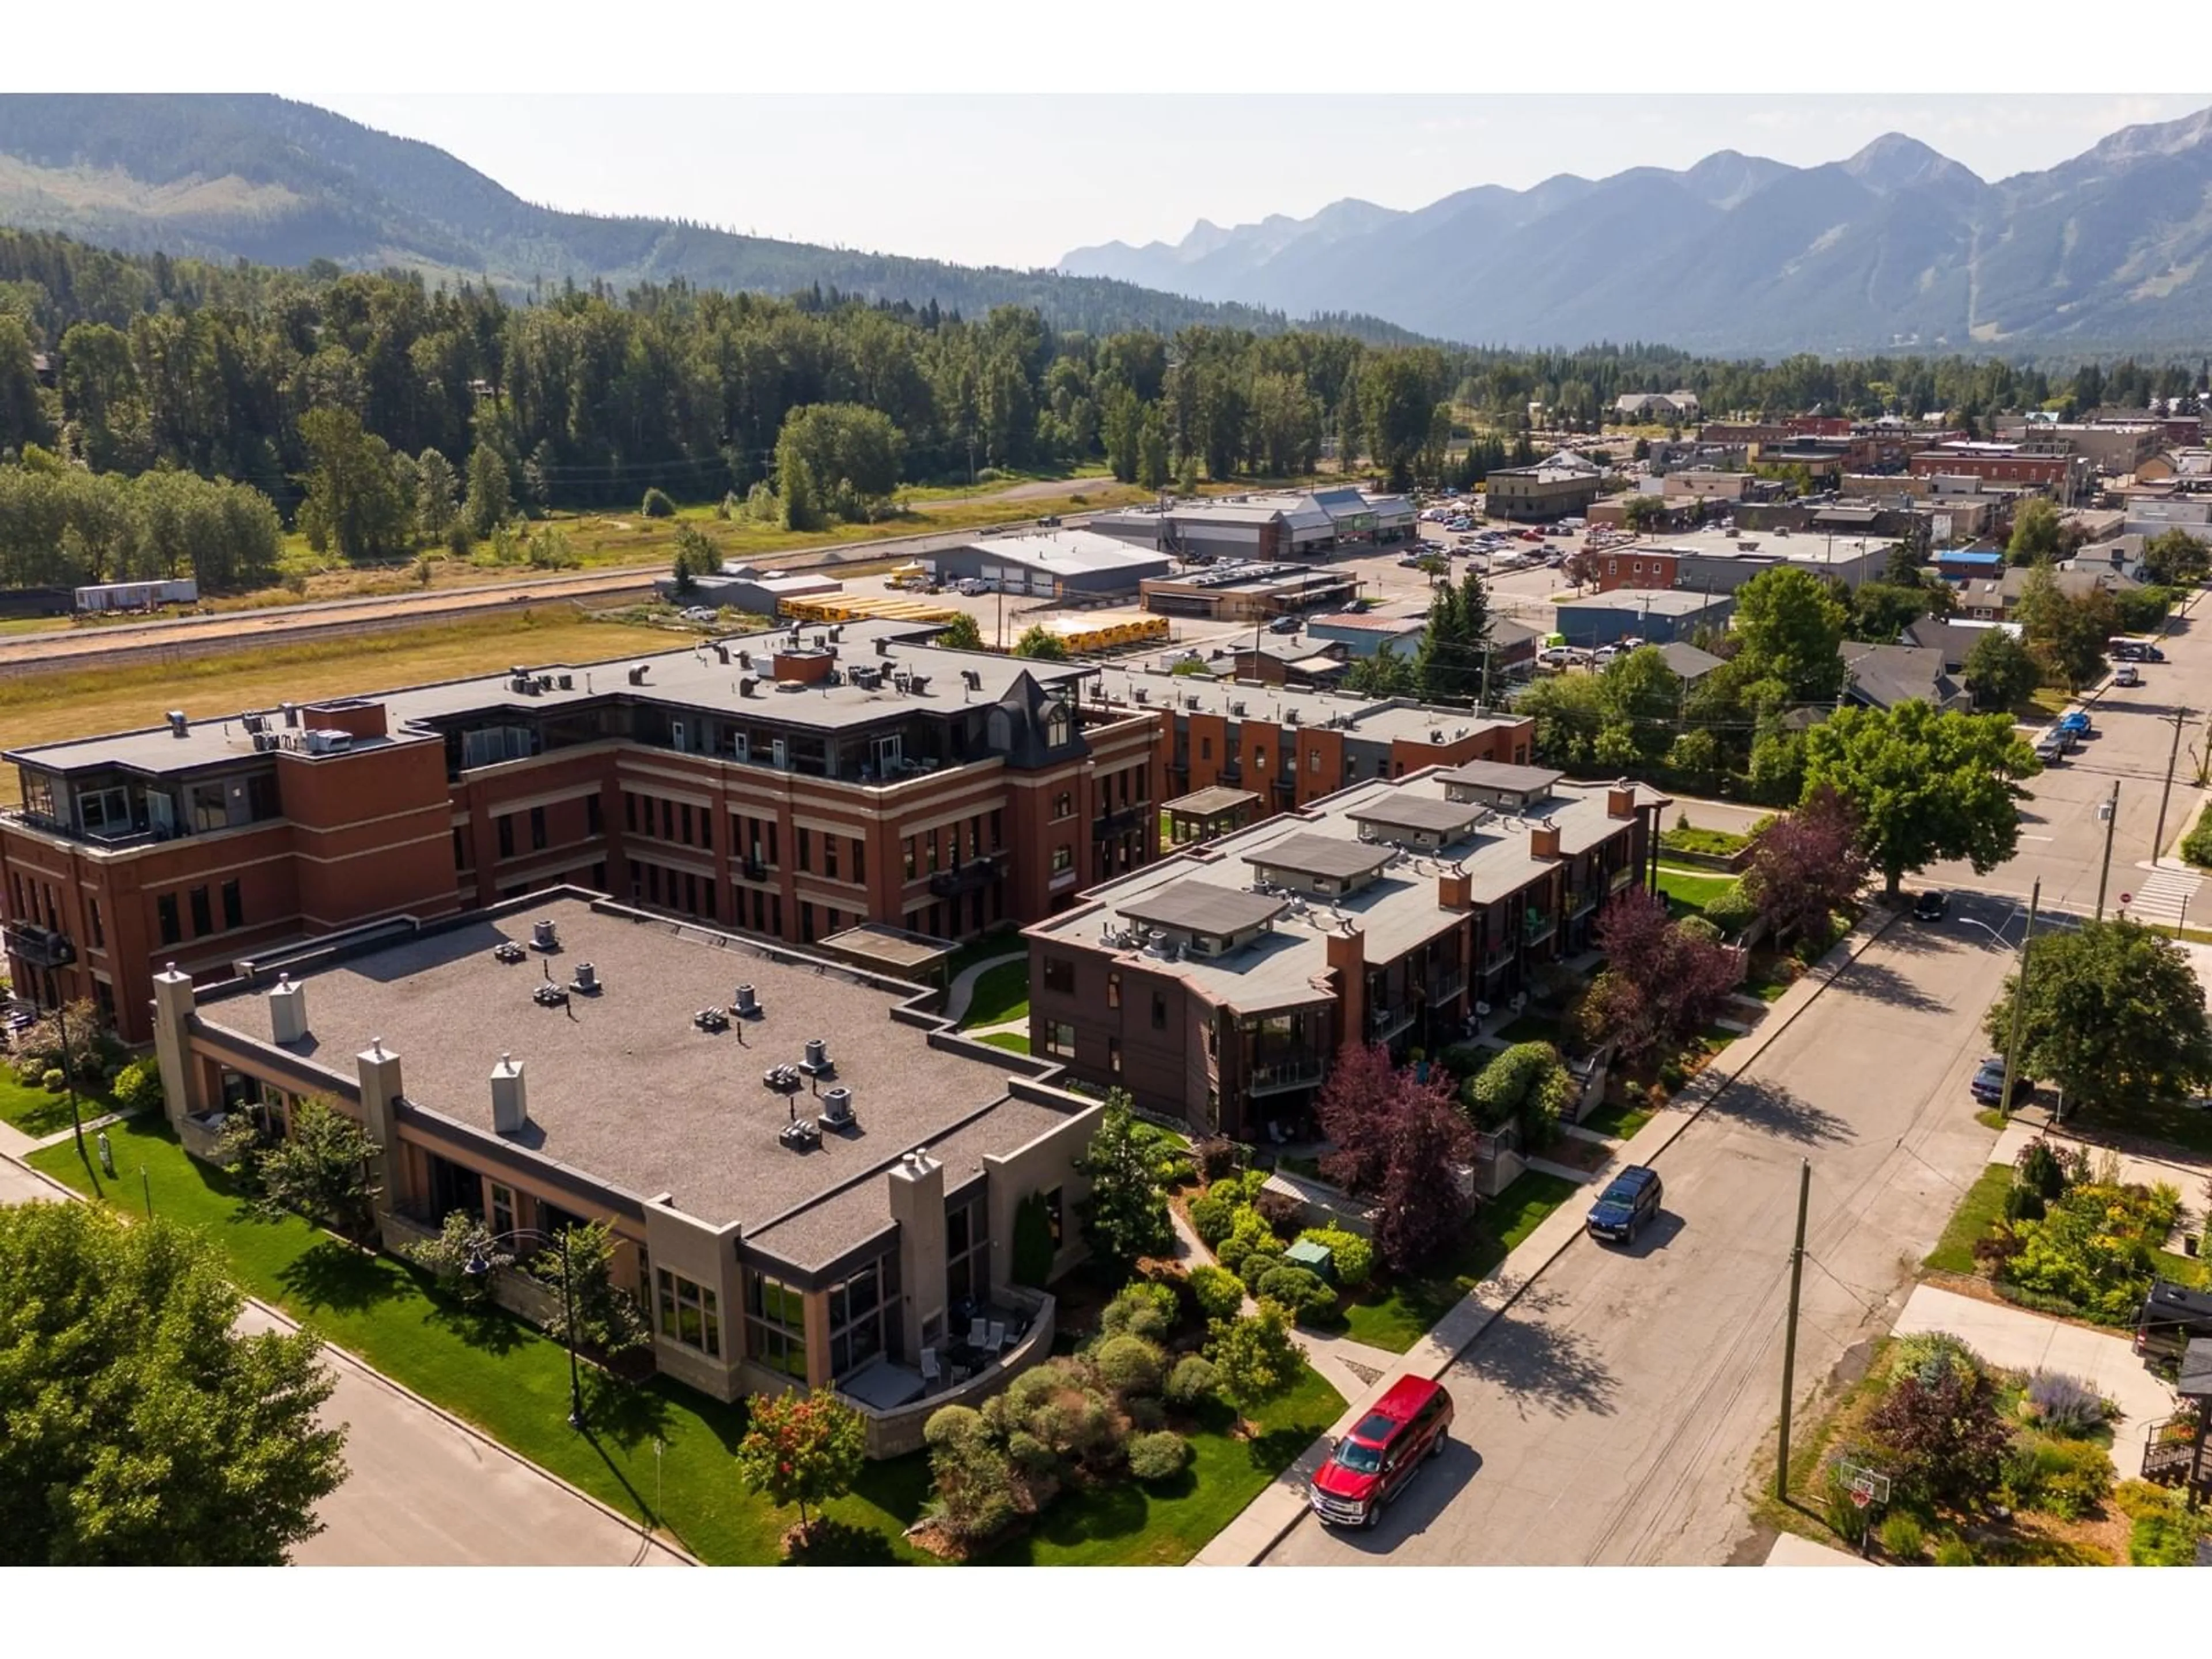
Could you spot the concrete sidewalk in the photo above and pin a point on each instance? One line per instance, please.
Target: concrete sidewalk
(1791, 1551)
(1263, 1523)
(2021, 1341)
(2190, 1177)
(423, 1488)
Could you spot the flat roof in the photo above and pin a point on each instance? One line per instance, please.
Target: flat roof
(1214, 797)
(1368, 622)
(622, 1086)
(1667, 601)
(1065, 552)
(1199, 908)
(1361, 718)
(1501, 774)
(1448, 818)
(893, 948)
(1283, 967)
(1321, 855)
(689, 678)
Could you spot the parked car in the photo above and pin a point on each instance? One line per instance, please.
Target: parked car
(1558, 656)
(2051, 749)
(1284, 625)
(701, 613)
(2077, 722)
(2170, 1314)
(1628, 1204)
(1988, 1086)
(1409, 1425)
(2127, 674)
(1931, 906)
(974, 587)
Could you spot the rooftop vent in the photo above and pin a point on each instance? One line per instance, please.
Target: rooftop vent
(178, 726)
(547, 994)
(637, 674)
(711, 1019)
(818, 1062)
(544, 936)
(586, 979)
(784, 1080)
(508, 951)
(721, 653)
(288, 1011)
(837, 1106)
(565, 681)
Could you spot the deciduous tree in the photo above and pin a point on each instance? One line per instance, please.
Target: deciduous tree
(2034, 532)
(1663, 983)
(1255, 1358)
(354, 502)
(1925, 786)
(963, 633)
(607, 1318)
(802, 1448)
(324, 1169)
(1126, 1216)
(1808, 865)
(141, 1429)
(1999, 671)
(2115, 1017)
(1789, 628)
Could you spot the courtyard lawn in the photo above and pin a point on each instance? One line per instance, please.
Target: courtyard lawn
(1001, 994)
(1621, 1122)
(1983, 1206)
(1397, 1315)
(29, 1108)
(1532, 1028)
(1713, 843)
(1013, 1041)
(1124, 1524)
(1688, 895)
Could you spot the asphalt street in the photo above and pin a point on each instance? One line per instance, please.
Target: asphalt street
(1613, 1414)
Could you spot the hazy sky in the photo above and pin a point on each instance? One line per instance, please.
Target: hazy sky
(1019, 180)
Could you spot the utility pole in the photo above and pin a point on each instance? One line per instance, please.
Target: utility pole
(2173, 759)
(2019, 999)
(1790, 1330)
(2112, 815)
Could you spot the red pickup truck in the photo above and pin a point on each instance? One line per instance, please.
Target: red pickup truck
(1375, 1462)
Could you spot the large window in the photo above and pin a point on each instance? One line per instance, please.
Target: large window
(203, 914)
(233, 905)
(689, 1314)
(861, 1309)
(1059, 1039)
(966, 1252)
(1059, 975)
(775, 1325)
(166, 909)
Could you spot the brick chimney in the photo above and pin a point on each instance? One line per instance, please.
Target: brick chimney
(1544, 840)
(1347, 961)
(1454, 892)
(1620, 801)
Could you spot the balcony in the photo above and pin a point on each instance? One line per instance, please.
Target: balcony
(1446, 983)
(1275, 1076)
(967, 877)
(1498, 958)
(1383, 1023)
(1537, 926)
(37, 946)
(753, 870)
(1580, 901)
(1621, 878)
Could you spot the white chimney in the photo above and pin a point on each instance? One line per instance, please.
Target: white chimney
(288, 1011)
(510, 1107)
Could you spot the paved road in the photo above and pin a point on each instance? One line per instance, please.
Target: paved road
(424, 1491)
(2062, 842)
(1611, 1416)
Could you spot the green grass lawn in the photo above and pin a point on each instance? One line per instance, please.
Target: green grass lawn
(1013, 1041)
(496, 1372)
(2184, 1126)
(1688, 895)
(1399, 1315)
(35, 1112)
(999, 942)
(1620, 1122)
(1001, 994)
(1717, 843)
(1982, 1205)
(1123, 1524)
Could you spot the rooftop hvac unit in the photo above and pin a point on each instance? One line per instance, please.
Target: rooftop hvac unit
(1140, 694)
(565, 681)
(265, 740)
(544, 681)
(837, 1106)
(637, 674)
(544, 936)
(818, 1062)
(1237, 708)
(178, 726)
(744, 1003)
(586, 979)
(721, 653)
(745, 659)
(882, 646)
(917, 683)
(711, 1019)
(291, 714)
(974, 681)
(323, 742)
(1290, 717)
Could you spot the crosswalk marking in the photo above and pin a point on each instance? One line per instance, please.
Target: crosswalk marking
(2162, 896)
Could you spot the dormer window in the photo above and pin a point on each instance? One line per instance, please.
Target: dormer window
(1059, 726)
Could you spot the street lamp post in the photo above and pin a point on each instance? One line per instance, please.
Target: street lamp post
(479, 1266)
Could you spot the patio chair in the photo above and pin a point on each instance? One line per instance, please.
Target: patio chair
(995, 1337)
(931, 1376)
(978, 1333)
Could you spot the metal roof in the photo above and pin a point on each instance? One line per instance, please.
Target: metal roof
(1448, 818)
(1321, 855)
(1197, 907)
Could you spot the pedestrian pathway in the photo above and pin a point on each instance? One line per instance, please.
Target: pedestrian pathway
(962, 989)
(1791, 1551)
(2162, 896)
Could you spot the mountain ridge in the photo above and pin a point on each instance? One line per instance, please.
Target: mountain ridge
(1896, 247)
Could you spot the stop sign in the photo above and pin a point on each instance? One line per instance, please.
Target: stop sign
(2125, 897)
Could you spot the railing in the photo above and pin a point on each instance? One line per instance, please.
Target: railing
(2169, 1461)
(977, 872)
(1499, 957)
(1621, 878)
(1446, 984)
(67, 832)
(1117, 821)
(1580, 901)
(1534, 930)
(753, 870)
(1275, 1075)
(1383, 1023)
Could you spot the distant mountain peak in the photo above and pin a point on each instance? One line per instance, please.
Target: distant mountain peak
(1898, 161)
(2155, 138)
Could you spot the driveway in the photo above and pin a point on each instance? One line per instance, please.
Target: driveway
(2021, 1341)
(1613, 1414)
(423, 1491)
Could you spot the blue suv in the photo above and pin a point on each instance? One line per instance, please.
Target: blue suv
(1628, 1203)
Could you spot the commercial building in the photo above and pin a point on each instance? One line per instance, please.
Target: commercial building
(1652, 615)
(1539, 493)
(1720, 561)
(1365, 634)
(2063, 475)
(1232, 590)
(786, 783)
(1219, 985)
(811, 1181)
(756, 593)
(2108, 445)
(1279, 524)
(1050, 564)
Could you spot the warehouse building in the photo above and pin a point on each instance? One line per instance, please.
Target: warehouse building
(1051, 564)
